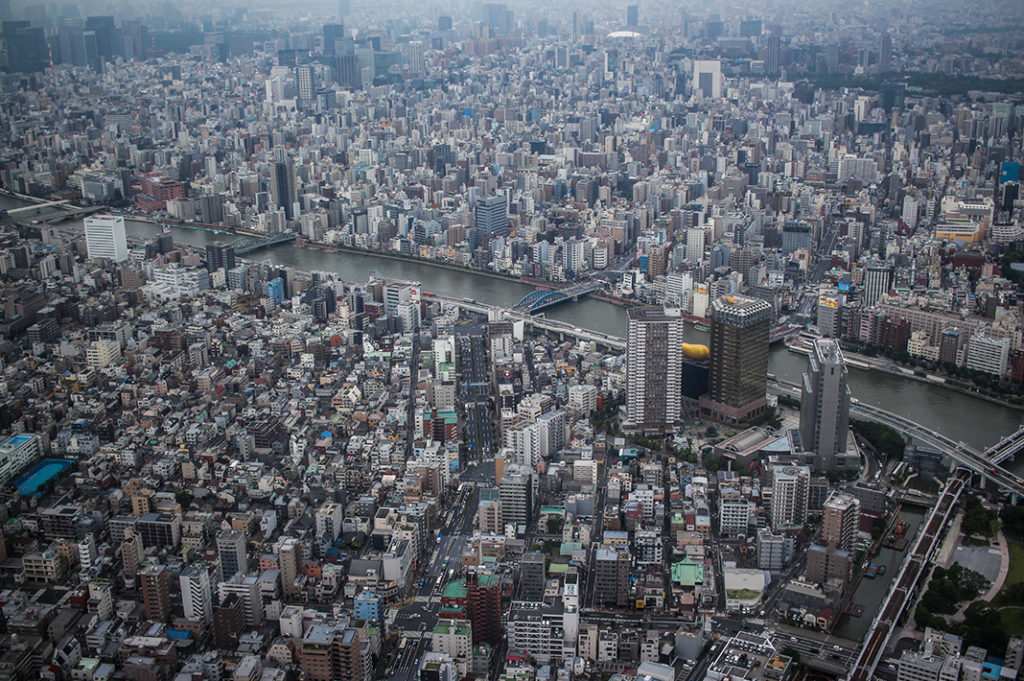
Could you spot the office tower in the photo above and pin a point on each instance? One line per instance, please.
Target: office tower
(304, 81)
(790, 487)
(228, 620)
(532, 576)
(220, 255)
(156, 592)
(773, 55)
(332, 34)
(750, 28)
(416, 57)
(290, 561)
(27, 49)
(516, 494)
(632, 16)
(840, 519)
(611, 577)
(105, 237)
(71, 42)
(233, 553)
(795, 235)
(707, 78)
(331, 653)
(877, 278)
(885, 54)
(653, 368)
(739, 359)
(283, 193)
(483, 606)
(197, 593)
(825, 405)
(103, 28)
(444, 23)
(492, 216)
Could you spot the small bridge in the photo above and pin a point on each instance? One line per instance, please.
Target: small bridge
(251, 244)
(542, 299)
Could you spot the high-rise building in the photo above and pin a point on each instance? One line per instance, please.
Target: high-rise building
(653, 369)
(790, 488)
(825, 405)
(532, 576)
(611, 577)
(304, 81)
(632, 16)
(877, 277)
(283, 193)
(156, 592)
(290, 561)
(233, 552)
(248, 589)
(27, 49)
(220, 255)
(773, 55)
(738, 377)
(483, 606)
(516, 494)
(332, 34)
(707, 78)
(197, 592)
(885, 53)
(228, 621)
(331, 653)
(492, 216)
(840, 518)
(105, 237)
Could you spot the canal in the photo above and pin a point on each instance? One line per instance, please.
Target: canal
(958, 416)
(870, 592)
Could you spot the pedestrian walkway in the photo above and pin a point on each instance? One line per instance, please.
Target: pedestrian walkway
(1004, 568)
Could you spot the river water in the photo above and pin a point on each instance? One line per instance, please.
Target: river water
(958, 416)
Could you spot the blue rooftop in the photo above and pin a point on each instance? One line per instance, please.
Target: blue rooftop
(18, 440)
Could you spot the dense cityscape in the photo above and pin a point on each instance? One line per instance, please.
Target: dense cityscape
(511, 342)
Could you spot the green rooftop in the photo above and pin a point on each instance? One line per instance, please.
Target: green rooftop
(687, 573)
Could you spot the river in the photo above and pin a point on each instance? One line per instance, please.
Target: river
(958, 416)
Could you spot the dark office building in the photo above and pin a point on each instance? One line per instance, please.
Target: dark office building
(228, 620)
(611, 577)
(106, 36)
(282, 187)
(332, 33)
(220, 255)
(492, 216)
(27, 49)
(739, 359)
(532, 576)
(632, 16)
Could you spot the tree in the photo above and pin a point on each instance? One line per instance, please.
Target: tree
(554, 524)
(184, 499)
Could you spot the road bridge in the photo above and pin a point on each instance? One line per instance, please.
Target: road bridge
(250, 244)
(1006, 449)
(542, 299)
(33, 207)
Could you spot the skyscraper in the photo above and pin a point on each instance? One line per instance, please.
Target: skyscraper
(105, 237)
(653, 369)
(773, 54)
(825, 405)
(196, 592)
(632, 16)
(27, 51)
(739, 359)
(707, 78)
(304, 80)
(231, 548)
(283, 193)
(885, 53)
(492, 216)
(483, 606)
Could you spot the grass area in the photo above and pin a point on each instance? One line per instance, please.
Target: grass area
(1012, 617)
(1016, 563)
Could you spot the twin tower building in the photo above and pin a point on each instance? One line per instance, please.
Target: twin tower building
(731, 386)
